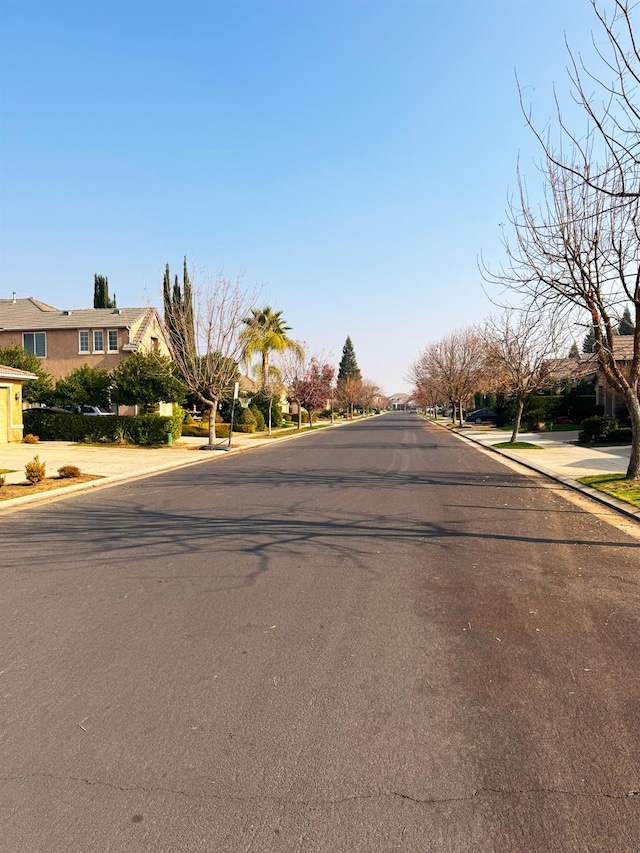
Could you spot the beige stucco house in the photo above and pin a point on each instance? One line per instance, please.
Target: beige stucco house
(64, 340)
(11, 380)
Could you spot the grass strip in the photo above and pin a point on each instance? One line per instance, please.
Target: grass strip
(615, 485)
(517, 445)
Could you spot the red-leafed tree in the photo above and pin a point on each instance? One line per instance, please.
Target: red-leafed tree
(313, 390)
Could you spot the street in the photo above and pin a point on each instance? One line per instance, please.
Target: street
(371, 638)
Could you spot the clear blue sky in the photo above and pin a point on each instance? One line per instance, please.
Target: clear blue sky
(353, 158)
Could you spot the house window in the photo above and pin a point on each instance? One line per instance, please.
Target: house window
(112, 340)
(83, 341)
(155, 345)
(35, 343)
(98, 341)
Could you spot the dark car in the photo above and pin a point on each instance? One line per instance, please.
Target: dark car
(482, 416)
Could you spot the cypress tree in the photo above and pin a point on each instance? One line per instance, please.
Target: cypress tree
(178, 312)
(348, 368)
(101, 293)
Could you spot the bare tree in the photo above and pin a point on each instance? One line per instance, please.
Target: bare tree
(370, 395)
(455, 364)
(519, 345)
(209, 363)
(292, 365)
(349, 393)
(428, 390)
(580, 250)
(607, 89)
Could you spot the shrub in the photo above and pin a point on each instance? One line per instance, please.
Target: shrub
(30, 439)
(597, 428)
(244, 420)
(3, 480)
(261, 401)
(138, 429)
(257, 414)
(623, 435)
(35, 470)
(68, 472)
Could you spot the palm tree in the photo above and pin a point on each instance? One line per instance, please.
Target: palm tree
(266, 332)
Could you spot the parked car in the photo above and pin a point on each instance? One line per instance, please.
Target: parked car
(87, 410)
(482, 416)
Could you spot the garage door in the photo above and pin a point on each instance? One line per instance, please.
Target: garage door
(5, 415)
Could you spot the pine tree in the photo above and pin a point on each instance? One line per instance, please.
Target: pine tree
(348, 365)
(625, 326)
(573, 352)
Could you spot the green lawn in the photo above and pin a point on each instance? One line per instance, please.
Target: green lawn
(8, 470)
(517, 445)
(615, 485)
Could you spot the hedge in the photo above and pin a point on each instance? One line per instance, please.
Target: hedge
(135, 429)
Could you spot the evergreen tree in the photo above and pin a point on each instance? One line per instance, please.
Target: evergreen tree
(101, 293)
(589, 342)
(348, 368)
(574, 352)
(266, 332)
(178, 313)
(38, 390)
(625, 326)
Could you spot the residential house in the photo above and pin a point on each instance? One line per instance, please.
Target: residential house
(67, 339)
(585, 367)
(11, 380)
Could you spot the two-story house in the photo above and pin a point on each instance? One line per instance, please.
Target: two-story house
(67, 339)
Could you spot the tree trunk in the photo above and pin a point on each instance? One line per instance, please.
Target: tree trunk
(270, 407)
(633, 407)
(212, 421)
(299, 415)
(516, 426)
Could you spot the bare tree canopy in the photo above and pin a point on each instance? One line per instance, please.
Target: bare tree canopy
(208, 356)
(454, 367)
(519, 346)
(606, 155)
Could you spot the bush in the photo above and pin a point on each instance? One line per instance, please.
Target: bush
(623, 435)
(261, 401)
(3, 480)
(35, 470)
(30, 439)
(244, 420)
(176, 418)
(257, 414)
(68, 472)
(597, 428)
(136, 429)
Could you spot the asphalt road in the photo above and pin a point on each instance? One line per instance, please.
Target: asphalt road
(373, 638)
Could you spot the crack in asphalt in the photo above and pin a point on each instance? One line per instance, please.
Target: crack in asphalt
(430, 801)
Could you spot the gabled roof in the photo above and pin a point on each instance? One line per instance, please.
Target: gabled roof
(15, 373)
(581, 367)
(31, 315)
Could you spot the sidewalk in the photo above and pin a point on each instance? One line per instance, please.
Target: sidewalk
(560, 458)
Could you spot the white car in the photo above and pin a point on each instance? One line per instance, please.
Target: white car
(87, 410)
